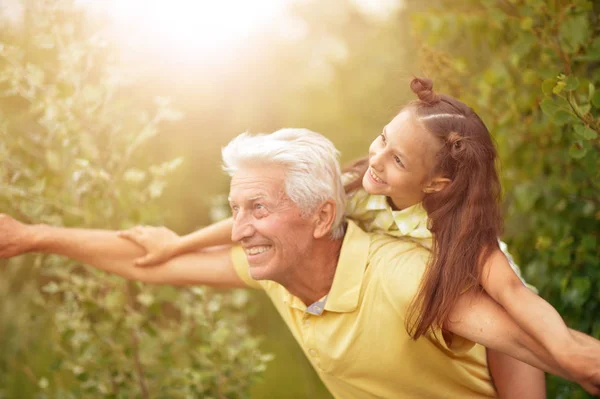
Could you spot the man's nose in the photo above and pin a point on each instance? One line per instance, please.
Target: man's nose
(242, 227)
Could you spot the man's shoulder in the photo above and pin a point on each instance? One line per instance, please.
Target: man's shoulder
(398, 250)
(383, 248)
(384, 245)
(396, 266)
(397, 260)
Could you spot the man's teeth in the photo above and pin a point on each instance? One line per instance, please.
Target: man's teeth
(257, 250)
(375, 177)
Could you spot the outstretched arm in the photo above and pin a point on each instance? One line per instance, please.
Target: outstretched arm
(531, 312)
(106, 251)
(161, 244)
(479, 318)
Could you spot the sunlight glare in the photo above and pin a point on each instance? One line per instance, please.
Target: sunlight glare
(186, 25)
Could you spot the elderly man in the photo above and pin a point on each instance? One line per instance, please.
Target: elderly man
(342, 292)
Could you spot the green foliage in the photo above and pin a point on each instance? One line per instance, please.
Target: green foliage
(70, 140)
(79, 137)
(532, 74)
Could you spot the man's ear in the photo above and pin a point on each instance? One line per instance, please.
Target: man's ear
(436, 184)
(324, 218)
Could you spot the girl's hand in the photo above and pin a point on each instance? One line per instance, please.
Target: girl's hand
(160, 243)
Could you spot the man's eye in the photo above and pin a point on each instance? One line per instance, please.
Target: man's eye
(382, 137)
(259, 206)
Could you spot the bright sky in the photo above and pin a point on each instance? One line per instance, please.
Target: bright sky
(206, 25)
(187, 25)
(190, 26)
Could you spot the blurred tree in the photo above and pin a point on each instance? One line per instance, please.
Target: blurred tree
(70, 155)
(80, 147)
(530, 69)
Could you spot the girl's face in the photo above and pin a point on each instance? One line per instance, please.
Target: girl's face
(400, 161)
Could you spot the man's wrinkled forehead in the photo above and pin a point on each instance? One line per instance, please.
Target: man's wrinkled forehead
(256, 183)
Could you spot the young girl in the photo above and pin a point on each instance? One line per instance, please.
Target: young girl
(430, 177)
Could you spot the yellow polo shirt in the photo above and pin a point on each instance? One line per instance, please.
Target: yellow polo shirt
(373, 213)
(356, 337)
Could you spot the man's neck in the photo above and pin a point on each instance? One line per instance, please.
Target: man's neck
(316, 272)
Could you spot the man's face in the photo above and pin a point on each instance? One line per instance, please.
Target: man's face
(268, 225)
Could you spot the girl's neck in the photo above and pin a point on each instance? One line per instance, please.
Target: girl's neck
(395, 206)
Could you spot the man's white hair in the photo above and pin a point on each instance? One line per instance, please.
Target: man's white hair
(311, 162)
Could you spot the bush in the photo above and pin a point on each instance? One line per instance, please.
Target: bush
(530, 69)
(70, 155)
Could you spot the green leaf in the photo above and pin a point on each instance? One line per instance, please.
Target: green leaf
(561, 117)
(523, 45)
(584, 109)
(588, 242)
(595, 100)
(548, 85)
(526, 194)
(574, 32)
(577, 150)
(549, 107)
(585, 132)
(593, 50)
(572, 83)
(530, 76)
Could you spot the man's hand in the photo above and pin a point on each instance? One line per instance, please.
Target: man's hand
(16, 238)
(160, 243)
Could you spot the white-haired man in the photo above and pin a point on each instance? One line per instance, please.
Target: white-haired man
(342, 292)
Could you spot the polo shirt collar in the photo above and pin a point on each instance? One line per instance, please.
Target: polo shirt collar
(347, 282)
(411, 221)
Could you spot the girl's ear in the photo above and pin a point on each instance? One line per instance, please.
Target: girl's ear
(323, 219)
(436, 184)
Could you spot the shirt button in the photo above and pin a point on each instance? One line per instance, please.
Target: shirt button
(307, 323)
(312, 352)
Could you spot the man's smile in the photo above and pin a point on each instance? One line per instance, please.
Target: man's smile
(257, 249)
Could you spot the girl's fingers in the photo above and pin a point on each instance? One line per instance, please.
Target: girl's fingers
(147, 260)
(131, 236)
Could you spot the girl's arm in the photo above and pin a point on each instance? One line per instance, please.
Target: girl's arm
(161, 244)
(532, 313)
(514, 378)
(479, 318)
